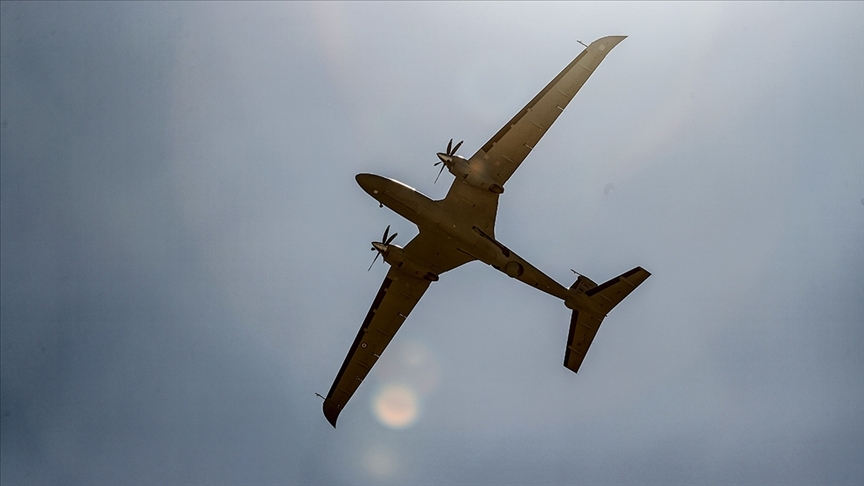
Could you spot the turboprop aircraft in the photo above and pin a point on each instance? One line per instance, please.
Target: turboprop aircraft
(461, 228)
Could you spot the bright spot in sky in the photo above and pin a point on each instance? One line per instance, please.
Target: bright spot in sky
(379, 463)
(412, 362)
(396, 406)
(408, 373)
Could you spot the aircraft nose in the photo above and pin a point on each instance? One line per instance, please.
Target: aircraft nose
(444, 157)
(370, 183)
(365, 181)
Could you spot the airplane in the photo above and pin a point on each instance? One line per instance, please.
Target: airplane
(461, 228)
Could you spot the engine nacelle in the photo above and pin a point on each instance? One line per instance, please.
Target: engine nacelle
(395, 256)
(474, 177)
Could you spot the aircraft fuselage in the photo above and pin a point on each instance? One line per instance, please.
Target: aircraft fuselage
(465, 236)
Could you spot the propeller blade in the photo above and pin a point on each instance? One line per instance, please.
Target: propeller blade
(439, 174)
(373, 260)
(385, 240)
(456, 148)
(449, 145)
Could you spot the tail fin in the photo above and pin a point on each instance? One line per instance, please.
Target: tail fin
(583, 284)
(590, 303)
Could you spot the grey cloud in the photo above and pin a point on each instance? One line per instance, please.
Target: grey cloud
(183, 247)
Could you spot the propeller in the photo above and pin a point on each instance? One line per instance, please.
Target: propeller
(381, 246)
(446, 157)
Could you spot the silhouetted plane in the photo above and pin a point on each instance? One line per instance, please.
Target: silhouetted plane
(461, 228)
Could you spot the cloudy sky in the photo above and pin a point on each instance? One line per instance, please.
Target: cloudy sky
(184, 248)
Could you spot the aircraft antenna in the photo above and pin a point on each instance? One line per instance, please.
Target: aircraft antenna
(320, 396)
(577, 273)
(577, 40)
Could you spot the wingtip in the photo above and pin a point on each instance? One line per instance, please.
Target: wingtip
(610, 41)
(331, 412)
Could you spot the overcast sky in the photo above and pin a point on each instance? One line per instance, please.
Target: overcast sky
(184, 247)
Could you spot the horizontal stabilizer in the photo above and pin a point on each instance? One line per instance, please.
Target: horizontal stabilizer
(586, 319)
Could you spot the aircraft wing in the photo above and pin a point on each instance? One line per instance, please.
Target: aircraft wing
(503, 153)
(397, 296)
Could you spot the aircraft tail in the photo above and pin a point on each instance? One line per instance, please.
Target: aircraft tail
(591, 303)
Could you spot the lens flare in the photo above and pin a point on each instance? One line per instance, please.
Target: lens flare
(396, 406)
(410, 362)
(379, 463)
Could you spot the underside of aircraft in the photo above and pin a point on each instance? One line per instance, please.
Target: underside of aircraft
(461, 228)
